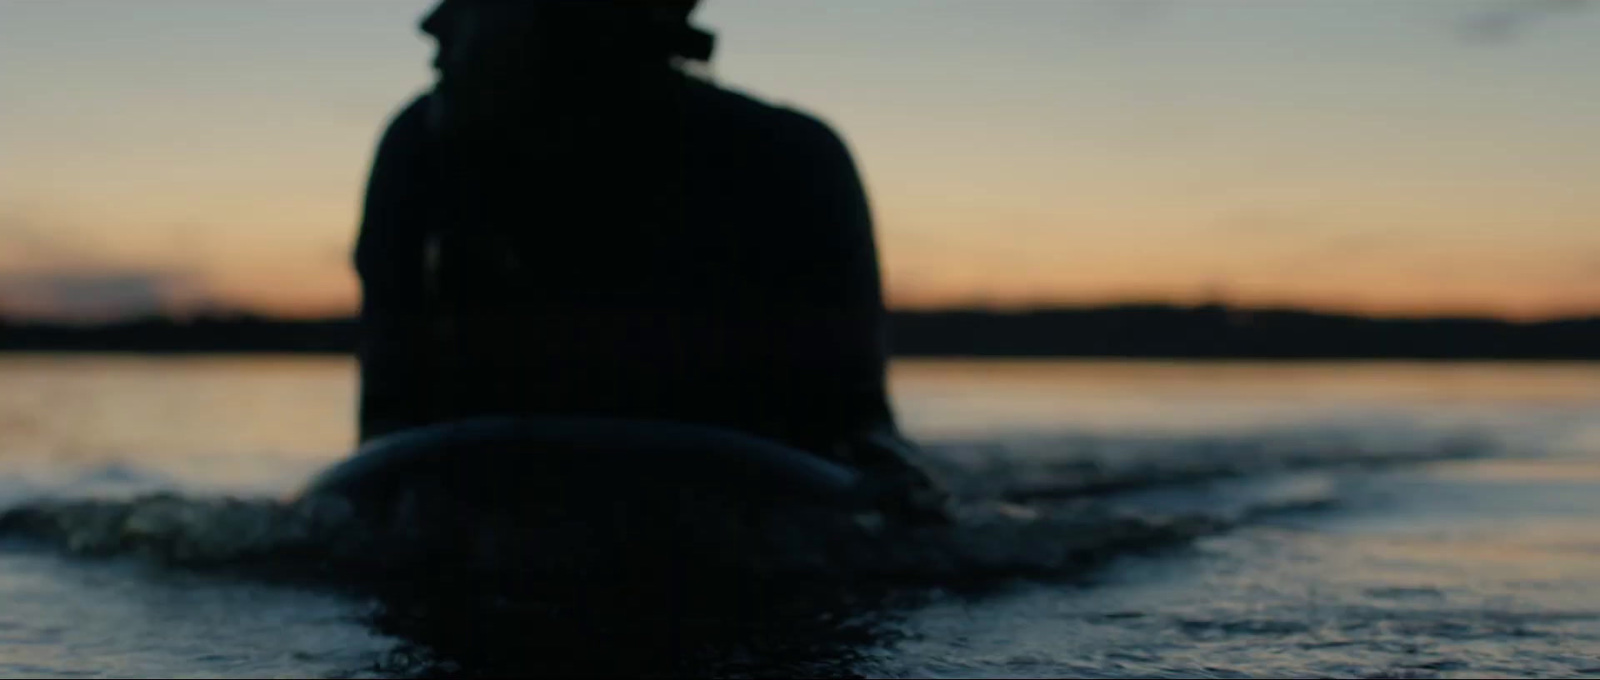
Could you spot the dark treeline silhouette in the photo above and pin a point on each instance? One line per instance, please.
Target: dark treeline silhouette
(1129, 331)
(221, 333)
(1160, 331)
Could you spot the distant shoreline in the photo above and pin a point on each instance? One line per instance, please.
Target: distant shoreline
(1117, 332)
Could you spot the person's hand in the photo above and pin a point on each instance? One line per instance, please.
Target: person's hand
(900, 490)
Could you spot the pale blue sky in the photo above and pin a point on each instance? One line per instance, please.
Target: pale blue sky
(1378, 154)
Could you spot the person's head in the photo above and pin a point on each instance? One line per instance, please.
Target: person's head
(481, 37)
(490, 52)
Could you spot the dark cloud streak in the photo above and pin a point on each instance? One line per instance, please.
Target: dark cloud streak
(50, 273)
(90, 295)
(1510, 20)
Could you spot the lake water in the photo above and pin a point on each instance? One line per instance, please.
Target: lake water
(1316, 519)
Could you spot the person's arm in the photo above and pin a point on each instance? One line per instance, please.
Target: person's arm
(843, 302)
(837, 289)
(389, 259)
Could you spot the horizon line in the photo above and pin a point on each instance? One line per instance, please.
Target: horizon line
(242, 312)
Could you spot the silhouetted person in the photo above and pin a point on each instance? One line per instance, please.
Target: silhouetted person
(569, 223)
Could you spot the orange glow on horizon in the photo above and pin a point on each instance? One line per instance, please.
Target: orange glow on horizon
(1316, 157)
(345, 303)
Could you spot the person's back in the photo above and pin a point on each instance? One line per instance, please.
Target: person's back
(641, 245)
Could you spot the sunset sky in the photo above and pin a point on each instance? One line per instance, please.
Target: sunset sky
(1432, 156)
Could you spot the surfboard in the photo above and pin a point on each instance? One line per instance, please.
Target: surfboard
(587, 490)
(602, 455)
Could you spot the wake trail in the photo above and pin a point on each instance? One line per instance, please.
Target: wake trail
(1020, 518)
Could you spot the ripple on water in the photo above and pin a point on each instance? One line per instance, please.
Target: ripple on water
(128, 619)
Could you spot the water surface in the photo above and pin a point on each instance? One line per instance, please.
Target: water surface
(1327, 519)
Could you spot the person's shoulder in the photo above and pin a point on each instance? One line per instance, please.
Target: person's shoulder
(413, 113)
(777, 124)
(407, 126)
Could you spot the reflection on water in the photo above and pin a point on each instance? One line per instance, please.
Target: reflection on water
(67, 619)
(1344, 519)
(1414, 574)
(258, 423)
(957, 398)
(205, 410)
